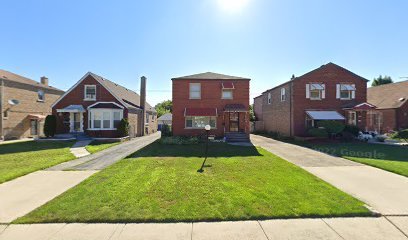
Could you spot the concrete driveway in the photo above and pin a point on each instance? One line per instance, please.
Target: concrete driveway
(384, 191)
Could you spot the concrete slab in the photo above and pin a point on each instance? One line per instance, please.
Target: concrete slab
(384, 191)
(79, 150)
(76, 231)
(401, 223)
(22, 195)
(151, 231)
(365, 228)
(298, 229)
(30, 232)
(228, 231)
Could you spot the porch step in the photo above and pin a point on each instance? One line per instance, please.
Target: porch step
(237, 137)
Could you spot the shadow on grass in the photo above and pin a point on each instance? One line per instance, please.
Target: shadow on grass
(157, 149)
(31, 146)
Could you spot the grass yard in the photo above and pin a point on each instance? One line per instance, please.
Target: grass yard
(97, 146)
(390, 158)
(20, 158)
(160, 183)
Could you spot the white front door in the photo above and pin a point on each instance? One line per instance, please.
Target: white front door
(76, 122)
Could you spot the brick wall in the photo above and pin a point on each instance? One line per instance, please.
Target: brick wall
(258, 108)
(402, 116)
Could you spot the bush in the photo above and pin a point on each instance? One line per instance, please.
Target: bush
(166, 131)
(178, 140)
(351, 129)
(403, 135)
(318, 132)
(50, 126)
(347, 136)
(123, 127)
(332, 127)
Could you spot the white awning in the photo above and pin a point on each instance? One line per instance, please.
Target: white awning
(325, 115)
(316, 86)
(72, 108)
(347, 87)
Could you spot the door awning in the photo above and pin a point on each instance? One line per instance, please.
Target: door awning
(36, 116)
(72, 108)
(364, 106)
(325, 115)
(204, 112)
(235, 108)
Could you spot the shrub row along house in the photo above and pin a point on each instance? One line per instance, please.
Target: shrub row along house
(95, 105)
(24, 104)
(329, 92)
(218, 100)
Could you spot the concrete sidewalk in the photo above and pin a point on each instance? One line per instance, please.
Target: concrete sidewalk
(394, 228)
(384, 191)
(79, 150)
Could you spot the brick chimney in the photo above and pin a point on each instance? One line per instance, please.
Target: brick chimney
(143, 102)
(44, 80)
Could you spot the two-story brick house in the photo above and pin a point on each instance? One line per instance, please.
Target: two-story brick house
(24, 104)
(94, 106)
(329, 92)
(218, 100)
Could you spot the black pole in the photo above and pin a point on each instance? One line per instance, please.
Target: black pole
(206, 151)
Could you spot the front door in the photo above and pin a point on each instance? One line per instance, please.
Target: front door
(76, 122)
(233, 122)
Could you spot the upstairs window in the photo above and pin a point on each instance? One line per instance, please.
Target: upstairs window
(269, 98)
(283, 94)
(90, 92)
(195, 91)
(315, 91)
(227, 94)
(147, 118)
(41, 95)
(346, 91)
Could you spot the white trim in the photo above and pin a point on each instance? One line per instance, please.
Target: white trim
(307, 90)
(189, 90)
(85, 97)
(90, 106)
(337, 91)
(91, 118)
(269, 97)
(283, 94)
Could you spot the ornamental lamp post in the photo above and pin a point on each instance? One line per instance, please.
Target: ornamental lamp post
(207, 130)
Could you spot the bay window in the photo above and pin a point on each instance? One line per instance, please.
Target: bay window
(199, 122)
(104, 119)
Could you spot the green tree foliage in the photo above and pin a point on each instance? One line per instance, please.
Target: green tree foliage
(50, 126)
(123, 128)
(251, 113)
(381, 80)
(164, 107)
(166, 131)
(332, 127)
(403, 135)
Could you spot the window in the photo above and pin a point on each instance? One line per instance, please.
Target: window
(5, 114)
(316, 91)
(346, 91)
(226, 94)
(200, 122)
(195, 90)
(104, 119)
(147, 118)
(283, 94)
(116, 119)
(90, 92)
(352, 119)
(97, 117)
(41, 95)
(269, 98)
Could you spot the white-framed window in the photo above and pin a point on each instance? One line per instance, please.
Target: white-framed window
(346, 91)
(227, 94)
(283, 94)
(269, 98)
(315, 91)
(90, 92)
(199, 122)
(104, 119)
(147, 118)
(41, 96)
(195, 90)
(352, 119)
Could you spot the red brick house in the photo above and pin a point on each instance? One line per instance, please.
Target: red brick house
(95, 105)
(218, 100)
(391, 101)
(329, 92)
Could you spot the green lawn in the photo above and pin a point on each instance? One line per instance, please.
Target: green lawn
(161, 184)
(97, 146)
(387, 157)
(20, 158)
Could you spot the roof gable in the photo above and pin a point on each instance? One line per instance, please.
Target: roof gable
(392, 95)
(210, 76)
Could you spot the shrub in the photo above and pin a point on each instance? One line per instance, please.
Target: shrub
(50, 126)
(123, 127)
(178, 140)
(403, 135)
(347, 136)
(351, 129)
(318, 132)
(332, 127)
(166, 131)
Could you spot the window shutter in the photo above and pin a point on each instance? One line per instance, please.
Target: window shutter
(324, 91)
(307, 90)
(337, 91)
(353, 93)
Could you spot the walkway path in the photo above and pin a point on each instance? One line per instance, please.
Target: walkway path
(386, 192)
(294, 229)
(107, 157)
(79, 150)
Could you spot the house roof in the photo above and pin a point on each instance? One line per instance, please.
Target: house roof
(321, 68)
(210, 76)
(165, 117)
(131, 99)
(392, 95)
(6, 75)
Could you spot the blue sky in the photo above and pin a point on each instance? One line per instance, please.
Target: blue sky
(266, 40)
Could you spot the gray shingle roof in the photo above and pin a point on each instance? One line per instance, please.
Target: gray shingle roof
(166, 117)
(392, 95)
(6, 75)
(210, 76)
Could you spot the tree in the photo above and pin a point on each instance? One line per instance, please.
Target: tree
(50, 126)
(124, 127)
(381, 80)
(164, 107)
(251, 113)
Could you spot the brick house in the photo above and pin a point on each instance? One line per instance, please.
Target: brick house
(24, 104)
(218, 100)
(95, 105)
(329, 92)
(391, 101)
